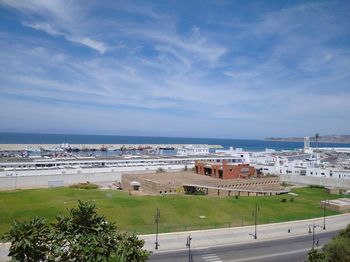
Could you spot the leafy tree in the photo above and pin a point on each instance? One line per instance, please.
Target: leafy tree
(338, 250)
(160, 170)
(82, 235)
(130, 248)
(29, 240)
(315, 256)
(346, 232)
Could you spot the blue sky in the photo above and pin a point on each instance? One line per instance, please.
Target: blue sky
(234, 69)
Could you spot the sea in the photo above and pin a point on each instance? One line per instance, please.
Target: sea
(246, 144)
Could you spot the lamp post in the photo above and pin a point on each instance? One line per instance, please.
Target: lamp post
(157, 218)
(313, 235)
(255, 214)
(324, 214)
(188, 244)
(16, 181)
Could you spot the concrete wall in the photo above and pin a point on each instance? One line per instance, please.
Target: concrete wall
(42, 178)
(266, 183)
(224, 193)
(15, 182)
(322, 181)
(43, 172)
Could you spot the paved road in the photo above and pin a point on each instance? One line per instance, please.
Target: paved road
(4, 250)
(175, 242)
(286, 250)
(241, 235)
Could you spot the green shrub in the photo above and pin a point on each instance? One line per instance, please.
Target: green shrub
(199, 192)
(284, 200)
(84, 186)
(82, 235)
(195, 191)
(315, 186)
(338, 249)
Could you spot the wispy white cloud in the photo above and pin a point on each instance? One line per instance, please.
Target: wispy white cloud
(275, 71)
(47, 28)
(193, 45)
(86, 41)
(57, 18)
(97, 45)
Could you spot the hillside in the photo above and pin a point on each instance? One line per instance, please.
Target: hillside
(321, 139)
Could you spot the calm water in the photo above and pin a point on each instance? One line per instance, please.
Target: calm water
(22, 138)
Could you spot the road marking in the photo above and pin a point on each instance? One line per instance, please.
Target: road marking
(211, 258)
(272, 255)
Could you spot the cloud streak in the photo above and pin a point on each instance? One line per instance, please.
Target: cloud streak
(282, 70)
(60, 18)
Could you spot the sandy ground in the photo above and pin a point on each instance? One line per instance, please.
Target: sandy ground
(174, 178)
(177, 179)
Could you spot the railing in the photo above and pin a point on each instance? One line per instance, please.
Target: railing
(167, 228)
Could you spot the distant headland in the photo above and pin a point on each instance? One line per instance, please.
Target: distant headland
(322, 139)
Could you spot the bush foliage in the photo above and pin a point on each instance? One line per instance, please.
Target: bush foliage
(338, 250)
(84, 186)
(315, 186)
(82, 235)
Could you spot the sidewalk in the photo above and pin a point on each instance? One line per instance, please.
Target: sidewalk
(240, 235)
(229, 236)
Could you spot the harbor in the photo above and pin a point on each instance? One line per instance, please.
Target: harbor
(11, 151)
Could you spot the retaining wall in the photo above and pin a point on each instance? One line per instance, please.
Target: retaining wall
(321, 181)
(16, 182)
(44, 178)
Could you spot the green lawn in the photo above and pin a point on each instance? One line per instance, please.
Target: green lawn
(136, 213)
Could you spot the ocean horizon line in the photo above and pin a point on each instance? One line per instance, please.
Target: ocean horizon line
(143, 136)
(226, 143)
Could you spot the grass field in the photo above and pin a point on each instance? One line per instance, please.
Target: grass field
(178, 213)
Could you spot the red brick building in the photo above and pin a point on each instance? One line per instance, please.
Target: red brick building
(225, 170)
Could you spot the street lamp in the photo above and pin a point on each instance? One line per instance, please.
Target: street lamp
(16, 181)
(188, 244)
(255, 215)
(157, 218)
(325, 202)
(313, 235)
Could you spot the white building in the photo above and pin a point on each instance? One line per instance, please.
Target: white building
(190, 150)
(307, 147)
(304, 167)
(98, 165)
(237, 152)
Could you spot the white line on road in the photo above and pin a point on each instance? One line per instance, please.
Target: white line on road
(271, 255)
(211, 258)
